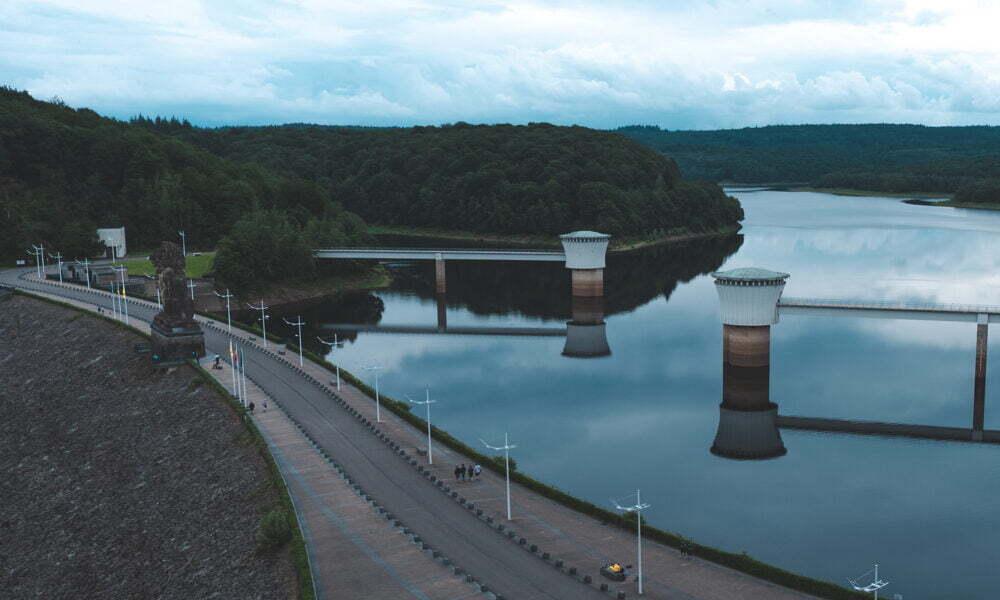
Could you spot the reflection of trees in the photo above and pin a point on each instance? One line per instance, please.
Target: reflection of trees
(543, 289)
(360, 307)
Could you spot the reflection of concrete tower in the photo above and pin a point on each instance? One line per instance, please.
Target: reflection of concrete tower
(585, 252)
(586, 336)
(747, 418)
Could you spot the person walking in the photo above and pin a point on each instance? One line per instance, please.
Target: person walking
(251, 407)
(461, 471)
(458, 472)
(477, 470)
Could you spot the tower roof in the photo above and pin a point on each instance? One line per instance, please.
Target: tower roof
(750, 274)
(584, 235)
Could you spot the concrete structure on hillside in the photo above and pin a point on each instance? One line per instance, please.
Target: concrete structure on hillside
(748, 425)
(113, 239)
(585, 252)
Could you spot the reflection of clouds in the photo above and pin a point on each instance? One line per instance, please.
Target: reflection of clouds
(655, 401)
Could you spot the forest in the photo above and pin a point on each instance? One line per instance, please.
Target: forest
(66, 172)
(964, 161)
(501, 179)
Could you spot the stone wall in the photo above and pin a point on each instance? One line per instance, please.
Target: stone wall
(118, 480)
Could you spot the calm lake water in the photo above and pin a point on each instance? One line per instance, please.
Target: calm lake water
(646, 415)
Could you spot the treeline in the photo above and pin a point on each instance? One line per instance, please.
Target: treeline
(879, 157)
(66, 172)
(506, 179)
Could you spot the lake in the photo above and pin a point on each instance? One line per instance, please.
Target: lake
(646, 414)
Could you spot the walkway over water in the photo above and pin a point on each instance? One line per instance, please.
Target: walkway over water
(471, 330)
(441, 254)
(889, 310)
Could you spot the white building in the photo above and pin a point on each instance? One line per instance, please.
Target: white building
(113, 239)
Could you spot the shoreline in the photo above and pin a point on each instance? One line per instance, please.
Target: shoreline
(515, 241)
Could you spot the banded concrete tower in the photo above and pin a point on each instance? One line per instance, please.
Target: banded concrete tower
(585, 252)
(586, 334)
(748, 427)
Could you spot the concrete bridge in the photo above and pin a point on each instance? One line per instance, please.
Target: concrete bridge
(583, 253)
(750, 303)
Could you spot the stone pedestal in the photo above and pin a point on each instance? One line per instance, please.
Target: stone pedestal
(176, 346)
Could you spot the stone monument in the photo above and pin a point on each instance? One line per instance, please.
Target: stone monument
(176, 336)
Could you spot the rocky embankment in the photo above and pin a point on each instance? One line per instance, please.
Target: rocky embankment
(120, 481)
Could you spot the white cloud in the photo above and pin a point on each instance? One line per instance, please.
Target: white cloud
(709, 64)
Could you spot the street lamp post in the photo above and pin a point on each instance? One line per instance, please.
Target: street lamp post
(298, 323)
(638, 507)
(86, 267)
(334, 344)
(58, 256)
(234, 362)
(124, 299)
(39, 253)
(507, 447)
(873, 587)
(378, 403)
(229, 319)
(183, 235)
(427, 403)
(263, 317)
(191, 285)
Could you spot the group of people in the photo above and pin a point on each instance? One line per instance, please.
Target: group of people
(473, 471)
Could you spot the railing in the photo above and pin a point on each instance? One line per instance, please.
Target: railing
(887, 305)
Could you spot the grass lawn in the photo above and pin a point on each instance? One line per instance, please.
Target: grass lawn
(196, 266)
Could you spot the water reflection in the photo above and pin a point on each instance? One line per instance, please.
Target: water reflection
(925, 509)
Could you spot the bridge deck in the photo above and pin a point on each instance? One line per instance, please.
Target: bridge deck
(888, 310)
(443, 253)
(450, 330)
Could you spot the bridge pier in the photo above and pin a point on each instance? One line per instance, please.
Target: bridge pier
(440, 285)
(979, 388)
(748, 426)
(585, 252)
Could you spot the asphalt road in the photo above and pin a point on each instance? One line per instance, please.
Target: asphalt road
(489, 557)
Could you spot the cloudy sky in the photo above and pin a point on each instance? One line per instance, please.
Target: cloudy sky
(681, 65)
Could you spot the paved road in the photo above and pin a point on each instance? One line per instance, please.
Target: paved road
(502, 566)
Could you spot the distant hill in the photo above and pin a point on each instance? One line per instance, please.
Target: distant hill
(881, 157)
(501, 179)
(65, 172)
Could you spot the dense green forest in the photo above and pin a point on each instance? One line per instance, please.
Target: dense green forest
(504, 179)
(66, 172)
(880, 157)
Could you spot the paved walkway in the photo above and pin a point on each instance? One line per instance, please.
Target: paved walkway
(578, 541)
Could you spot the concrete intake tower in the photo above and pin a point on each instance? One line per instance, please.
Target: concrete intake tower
(748, 301)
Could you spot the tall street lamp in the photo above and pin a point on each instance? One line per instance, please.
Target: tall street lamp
(124, 299)
(58, 256)
(229, 318)
(507, 447)
(191, 285)
(638, 507)
(39, 253)
(332, 345)
(378, 404)
(86, 267)
(427, 403)
(183, 243)
(298, 323)
(263, 317)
